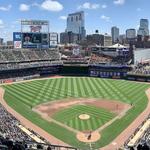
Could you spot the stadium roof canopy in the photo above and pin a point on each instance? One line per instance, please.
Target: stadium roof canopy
(118, 46)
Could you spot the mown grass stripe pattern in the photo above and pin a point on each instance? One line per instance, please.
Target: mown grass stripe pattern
(70, 116)
(24, 96)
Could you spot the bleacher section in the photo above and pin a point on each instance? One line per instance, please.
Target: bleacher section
(141, 69)
(16, 63)
(14, 136)
(140, 72)
(105, 66)
(140, 139)
(96, 59)
(101, 59)
(28, 55)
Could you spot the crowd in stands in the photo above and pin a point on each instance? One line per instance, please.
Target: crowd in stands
(28, 58)
(96, 59)
(8, 126)
(75, 60)
(14, 55)
(140, 139)
(13, 138)
(101, 59)
(74, 56)
(18, 79)
(28, 65)
(141, 69)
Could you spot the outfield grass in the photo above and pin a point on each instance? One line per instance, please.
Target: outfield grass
(70, 117)
(23, 96)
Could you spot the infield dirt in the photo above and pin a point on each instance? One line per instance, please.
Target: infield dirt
(115, 144)
(51, 108)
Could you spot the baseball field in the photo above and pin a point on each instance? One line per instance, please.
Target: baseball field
(64, 107)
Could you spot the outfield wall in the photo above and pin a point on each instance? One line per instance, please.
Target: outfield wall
(75, 70)
(113, 72)
(136, 77)
(41, 71)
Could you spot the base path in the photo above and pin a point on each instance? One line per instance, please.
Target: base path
(29, 124)
(119, 141)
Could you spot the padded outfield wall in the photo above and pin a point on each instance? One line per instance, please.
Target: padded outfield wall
(70, 70)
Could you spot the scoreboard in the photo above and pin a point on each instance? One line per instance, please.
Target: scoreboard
(35, 33)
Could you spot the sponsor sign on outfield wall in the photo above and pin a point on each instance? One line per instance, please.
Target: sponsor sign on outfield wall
(17, 39)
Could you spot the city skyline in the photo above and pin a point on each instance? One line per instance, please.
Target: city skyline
(101, 15)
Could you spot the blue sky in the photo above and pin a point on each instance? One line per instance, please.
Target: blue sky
(99, 14)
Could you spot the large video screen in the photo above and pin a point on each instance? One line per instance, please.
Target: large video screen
(34, 40)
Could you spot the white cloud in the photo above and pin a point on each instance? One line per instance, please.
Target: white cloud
(138, 9)
(24, 7)
(106, 18)
(88, 5)
(7, 8)
(63, 17)
(104, 6)
(51, 5)
(119, 2)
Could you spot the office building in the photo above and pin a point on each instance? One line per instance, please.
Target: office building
(95, 39)
(115, 35)
(68, 37)
(1, 41)
(144, 28)
(107, 40)
(9, 43)
(122, 39)
(130, 35)
(76, 24)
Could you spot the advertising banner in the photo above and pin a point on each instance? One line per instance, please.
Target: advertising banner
(17, 39)
(17, 44)
(53, 39)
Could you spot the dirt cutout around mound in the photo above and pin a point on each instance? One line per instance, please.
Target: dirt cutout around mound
(50, 108)
(47, 110)
(115, 144)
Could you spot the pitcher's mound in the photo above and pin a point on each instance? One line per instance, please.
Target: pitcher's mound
(88, 137)
(84, 117)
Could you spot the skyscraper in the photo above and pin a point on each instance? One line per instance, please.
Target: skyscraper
(144, 27)
(130, 33)
(1, 41)
(107, 40)
(76, 24)
(115, 34)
